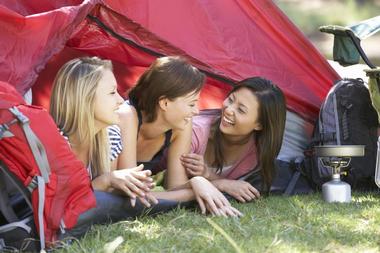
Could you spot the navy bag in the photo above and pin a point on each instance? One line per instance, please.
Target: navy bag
(346, 118)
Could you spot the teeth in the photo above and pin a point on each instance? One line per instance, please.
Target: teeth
(227, 120)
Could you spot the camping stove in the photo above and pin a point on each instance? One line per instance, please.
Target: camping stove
(336, 158)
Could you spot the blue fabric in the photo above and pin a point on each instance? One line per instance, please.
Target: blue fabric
(284, 175)
(115, 142)
(112, 208)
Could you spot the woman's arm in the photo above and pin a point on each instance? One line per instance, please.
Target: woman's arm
(207, 196)
(101, 183)
(181, 195)
(114, 165)
(195, 166)
(127, 159)
(134, 182)
(176, 174)
(239, 189)
(128, 129)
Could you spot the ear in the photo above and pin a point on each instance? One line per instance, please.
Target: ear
(163, 103)
(258, 127)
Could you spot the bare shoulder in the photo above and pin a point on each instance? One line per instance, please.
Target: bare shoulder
(185, 133)
(127, 113)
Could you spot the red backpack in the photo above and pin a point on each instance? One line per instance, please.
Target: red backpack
(36, 158)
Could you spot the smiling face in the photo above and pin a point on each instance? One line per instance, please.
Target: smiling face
(240, 113)
(179, 112)
(107, 101)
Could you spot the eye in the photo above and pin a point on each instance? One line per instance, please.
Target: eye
(230, 100)
(241, 111)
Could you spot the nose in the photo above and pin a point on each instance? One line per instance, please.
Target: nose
(228, 110)
(120, 100)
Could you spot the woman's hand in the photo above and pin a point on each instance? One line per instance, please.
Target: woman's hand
(134, 182)
(194, 165)
(211, 199)
(240, 190)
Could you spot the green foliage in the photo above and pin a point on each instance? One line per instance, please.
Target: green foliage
(273, 224)
(309, 15)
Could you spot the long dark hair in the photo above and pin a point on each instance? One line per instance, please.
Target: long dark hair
(272, 114)
(168, 77)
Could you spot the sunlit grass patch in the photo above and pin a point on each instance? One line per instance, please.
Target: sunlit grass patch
(272, 224)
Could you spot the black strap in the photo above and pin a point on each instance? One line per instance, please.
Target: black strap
(297, 167)
(292, 184)
(325, 137)
(168, 137)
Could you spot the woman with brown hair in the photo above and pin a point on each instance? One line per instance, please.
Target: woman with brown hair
(157, 120)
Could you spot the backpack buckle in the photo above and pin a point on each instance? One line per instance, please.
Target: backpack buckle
(4, 129)
(20, 117)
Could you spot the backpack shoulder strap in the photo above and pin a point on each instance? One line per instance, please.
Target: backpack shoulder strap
(35, 145)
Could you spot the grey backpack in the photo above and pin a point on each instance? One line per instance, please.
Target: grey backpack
(346, 118)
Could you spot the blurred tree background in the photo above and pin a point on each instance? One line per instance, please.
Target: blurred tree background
(309, 15)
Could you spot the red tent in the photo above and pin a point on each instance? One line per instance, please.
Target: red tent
(229, 40)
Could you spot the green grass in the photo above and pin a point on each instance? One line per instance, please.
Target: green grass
(273, 224)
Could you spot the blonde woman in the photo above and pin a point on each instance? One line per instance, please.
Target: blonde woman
(84, 103)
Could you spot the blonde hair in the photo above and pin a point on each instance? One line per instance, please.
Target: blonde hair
(72, 107)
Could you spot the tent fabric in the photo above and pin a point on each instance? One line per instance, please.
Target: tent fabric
(230, 40)
(241, 38)
(31, 33)
(129, 61)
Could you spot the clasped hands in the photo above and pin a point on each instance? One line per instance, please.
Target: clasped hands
(135, 183)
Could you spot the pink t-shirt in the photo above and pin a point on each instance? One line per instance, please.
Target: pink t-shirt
(201, 130)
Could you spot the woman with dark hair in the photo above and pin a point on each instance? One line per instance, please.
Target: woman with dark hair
(157, 120)
(240, 141)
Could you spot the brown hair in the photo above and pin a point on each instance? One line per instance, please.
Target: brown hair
(168, 77)
(272, 114)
